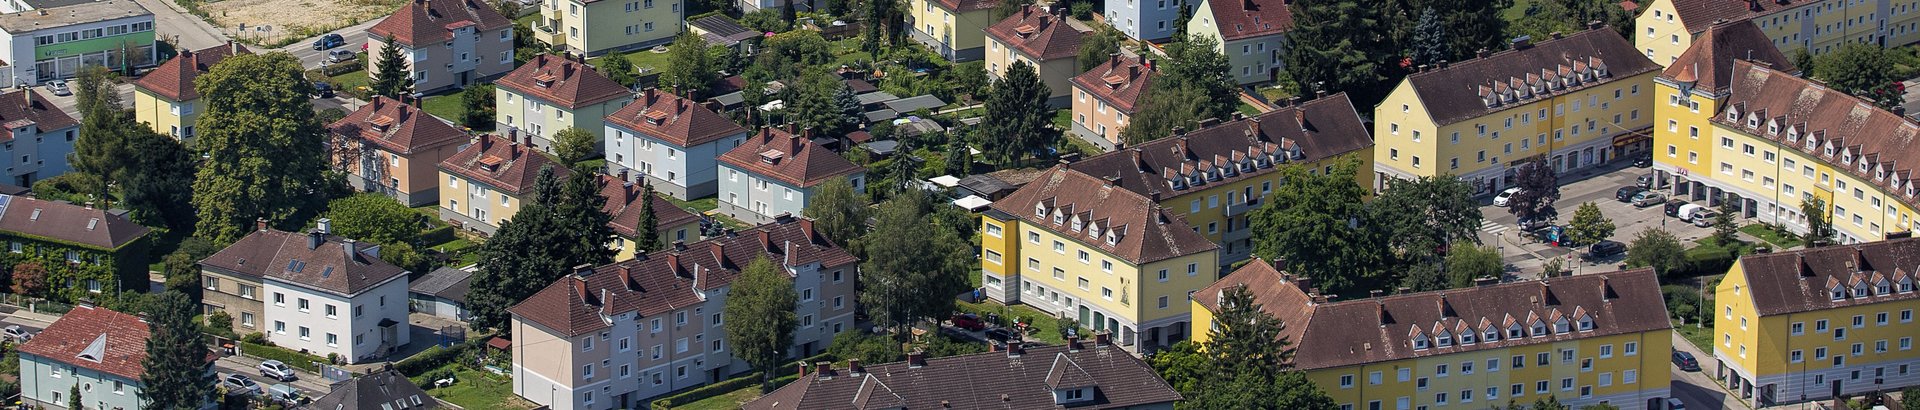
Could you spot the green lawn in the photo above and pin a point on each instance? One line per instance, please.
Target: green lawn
(730, 401)
(352, 80)
(1063, 120)
(476, 390)
(1248, 109)
(1700, 337)
(644, 60)
(1046, 327)
(1767, 234)
(445, 106)
(1515, 13)
(706, 206)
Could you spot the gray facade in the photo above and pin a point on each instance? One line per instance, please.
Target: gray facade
(757, 199)
(681, 172)
(1145, 20)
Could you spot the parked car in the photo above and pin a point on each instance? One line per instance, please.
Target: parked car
(59, 88)
(968, 321)
(274, 369)
(1687, 212)
(286, 394)
(1685, 361)
(17, 334)
(329, 41)
(1643, 161)
(1626, 193)
(1533, 224)
(1675, 404)
(1605, 248)
(240, 383)
(1644, 181)
(1705, 218)
(1673, 206)
(321, 89)
(1647, 198)
(999, 334)
(1505, 196)
(337, 56)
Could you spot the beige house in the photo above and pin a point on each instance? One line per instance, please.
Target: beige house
(448, 43)
(551, 93)
(1047, 41)
(1104, 98)
(394, 149)
(488, 181)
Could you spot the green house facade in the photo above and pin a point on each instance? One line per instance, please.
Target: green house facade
(86, 251)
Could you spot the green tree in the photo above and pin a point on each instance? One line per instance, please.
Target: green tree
(1193, 85)
(869, 348)
(1589, 225)
(1095, 49)
(1311, 222)
(1017, 119)
(1864, 70)
(1658, 249)
(1683, 303)
(575, 145)
(789, 54)
(1820, 230)
(913, 268)
(182, 267)
(1425, 215)
(689, 66)
(1466, 263)
(93, 88)
(476, 107)
(1553, 267)
(1802, 59)
(759, 318)
(1468, 25)
(73, 397)
(1430, 39)
(1725, 231)
(551, 234)
(1008, 8)
(176, 366)
(375, 218)
(763, 20)
(968, 80)
(812, 104)
(153, 196)
(650, 239)
(390, 76)
(618, 68)
(1544, 17)
(101, 152)
(264, 152)
(1250, 363)
(838, 211)
(959, 160)
(1337, 45)
(1910, 398)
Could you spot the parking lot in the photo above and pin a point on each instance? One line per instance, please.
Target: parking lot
(1526, 257)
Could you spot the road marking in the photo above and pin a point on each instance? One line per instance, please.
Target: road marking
(1491, 227)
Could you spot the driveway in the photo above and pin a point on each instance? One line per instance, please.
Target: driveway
(1527, 257)
(1697, 389)
(356, 37)
(185, 31)
(309, 383)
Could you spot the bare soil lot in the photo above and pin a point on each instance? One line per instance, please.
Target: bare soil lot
(279, 22)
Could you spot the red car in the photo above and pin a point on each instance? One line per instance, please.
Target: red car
(968, 321)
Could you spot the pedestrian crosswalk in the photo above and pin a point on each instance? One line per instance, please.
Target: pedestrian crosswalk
(1491, 227)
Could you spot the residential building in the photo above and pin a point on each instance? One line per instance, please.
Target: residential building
(1817, 323)
(38, 133)
(671, 141)
(1106, 96)
(383, 388)
(950, 27)
(672, 224)
(595, 27)
(1146, 20)
(1047, 40)
(774, 174)
(1251, 33)
(551, 93)
(1582, 340)
(1038, 377)
(1777, 140)
(490, 179)
(749, 6)
(447, 43)
(51, 39)
(618, 335)
(1211, 178)
(1041, 245)
(101, 250)
(442, 293)
(1696, 87)
(101, 351)
(395, 149)
(1668, 27)
(1449, 120)
(317, 292)
(165, 98)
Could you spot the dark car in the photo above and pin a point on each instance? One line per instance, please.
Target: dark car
(1673, 207)
(999, 335)
(1605, 248)
(968, 321)
(1625, 194)
(329, 41)
(322, 89)
(1685, 361)
(1643, 161)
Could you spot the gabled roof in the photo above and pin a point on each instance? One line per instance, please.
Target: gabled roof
(677, 120)
(97, 339)
(500, 162)
(313, 260)
(1312, 131)
(22, 108)
(173, 78)
(378, 390)
(424, 22)
(1708, 62)
(1809, 116)
(562, 82)
(1239, 19)
(1119, 81)
(1142, 232)
(623, 204)
(962, 6)
(992, 380)
(1579, 61)
(65, 222)
(664, 281)
(1280, 294)
(447, 282)
(789, 158)
(1799, 281)
(1038, 34)
(397, 127)
(1699, 14)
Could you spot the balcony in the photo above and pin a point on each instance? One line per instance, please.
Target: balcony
(1235, 209)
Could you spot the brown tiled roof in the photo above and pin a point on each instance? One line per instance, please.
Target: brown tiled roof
(1812, 117)
(27, 107)
(623, 204)
(1038, 34)
(993, 380)
(664, 281)
(1699, 14)
(121, 340)
(1799, 281)
(1709, 60)
(380, 390)
(502, 163)
(562, 82)
(397, 127)
(788, 157)
(173, 79)
(423, 22)
(1338, 334)
(962, 6)
(1238, 19)
(67, 222)
(675, 119)
(1168, 167)
(312, 260)
(1481, 86)
(1140, 230)
(1119, 81)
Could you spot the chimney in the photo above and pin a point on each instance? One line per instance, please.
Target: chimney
(1556, 35)
(916, 359)
(325, 226)
(315, 238)
(854, 369)
(583, 270)
(679, 245)
(352, 248)
(1073, 343)
(528, 140)
(1304, 283)
(1446, 309)
(806, 227)
(802, 369)
(1606, 289)
(825, 369)
(1753, 5)
(579, 285)
(1443, 65)
(1015, 348)
(233, 48)
(1376, 293)
(1380, 312)
(260, 224)
(1522, 42)
(1102, 339)
(623, 174)
(626, 278)
(1900, 111)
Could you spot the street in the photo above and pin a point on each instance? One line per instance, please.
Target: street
(1697, 389)
(356, 38)
(1526, 257)
(185, 31)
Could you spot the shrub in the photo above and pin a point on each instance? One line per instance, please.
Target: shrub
(256, 338)
(343, 67)
(298, 360)
(433, 357)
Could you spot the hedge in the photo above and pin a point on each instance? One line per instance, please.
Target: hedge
(342, 67)
(441, 232)
(783, 375)
(298, 360)
(431, 358)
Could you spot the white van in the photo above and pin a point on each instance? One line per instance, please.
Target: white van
(1689, 211)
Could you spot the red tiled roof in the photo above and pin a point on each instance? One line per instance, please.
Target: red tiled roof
(677, 120)
(1478, 87)
(1699, 14)
(788, 157)
(992, 380)
(1312, 131)
(1250, 18)
(1038, 34)
(25, 107)
(67, 222)
(173, 79)
(122, 340)
(659, 282)
(1120, 81)
(562, 82)
(1709, 60)
(298, 258)
(962, 6)
(423, 22)
(1799, 281)
(397, 127)
(1139, 229)
(500, 162)
(1867, 142)
(623, 204)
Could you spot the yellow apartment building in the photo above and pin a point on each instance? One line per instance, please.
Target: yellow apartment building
(1667, 27)
(1587, 339)
(551, 93)
(1810, 324)
(1212, 177)
(1077, 246)
(672, 224)
(488, 181)
(951, 27)
(1047, 41)
(165, 98)
(1694, 88)
(594, 27)
(1579, 101)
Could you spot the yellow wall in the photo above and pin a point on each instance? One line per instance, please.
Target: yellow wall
(1057, 74)
(593, 27)
(1212, 205)
(157, 112)
(472, 198)
(1769, 340)
(1820, 27)
(1675, 146)
(553, 118)
(1136, 290)
(958, 30)
(1436, 151)
(1783, 180)
(626, 247)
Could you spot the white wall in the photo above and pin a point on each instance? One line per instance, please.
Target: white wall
(356, 337)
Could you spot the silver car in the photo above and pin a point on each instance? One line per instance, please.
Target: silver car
(274, 369)
(16, 333)
(239, 383)
(1648, 198)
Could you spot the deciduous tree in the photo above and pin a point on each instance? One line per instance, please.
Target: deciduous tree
(758, 317)
(1193, 85)
(375, 218)
(1820, 230)
(1658, 249)
(176, 364)
(1539, 187)
(618, 68)
(264, 152)
(1589, 226)
(1426, 215)
(30, 279)
(1864, 70)
(689, 66)
(913, 267)
(1467, 263)
(574, 145)
(1095, 49)
(476, 107)
(1314, 223)
(838, 211)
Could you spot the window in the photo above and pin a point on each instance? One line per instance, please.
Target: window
(333, 311)
(1632, 348)
(1346, 381)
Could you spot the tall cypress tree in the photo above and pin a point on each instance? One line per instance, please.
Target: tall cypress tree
(390, 76)
(649, 224)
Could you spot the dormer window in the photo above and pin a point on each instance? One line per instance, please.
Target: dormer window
(1882, 288)
(1733, 114)
(1514, 332)
(1490, 335)
(1905, 285)
(1466, 338)
(1419, 342)
(1860, 291)
(1445, 339)
(1773, 129)
(1793, 134)
(1539, 329)
(1064, 396)
(1077, 224)
(1039, 210)
(1560, 326)
(1586, 324)
(1838, 293)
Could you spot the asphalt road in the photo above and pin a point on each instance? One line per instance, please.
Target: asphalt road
(1698, 389)
(356, 36)
(185, 31)
(1526, 257)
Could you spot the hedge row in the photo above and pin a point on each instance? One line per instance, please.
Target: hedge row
(342, 67)
(431, 358)
(782, 376)
(298, 360)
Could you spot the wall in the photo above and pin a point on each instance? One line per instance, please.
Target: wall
(689, 232)
(476, 204)
(756, 199)
(1057, 74)
(1495, 370)
(1222, 213)
(543, 119)
(543, 370)
(594, 28)
(1095, 117)
(358, 336)
(1779, 177)
(1147, 20)
(410, 179)
(1760, 348)
(160, 114)
(955, 36)
(1114, 288)
(488, 54)
(71, 55)
(225, 292)
(681, 172)
(42, 378)
(1819, 27)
